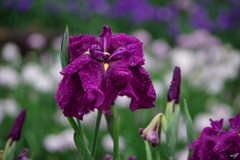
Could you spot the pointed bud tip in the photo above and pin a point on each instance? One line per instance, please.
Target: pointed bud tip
(174, 90)
(106, 30)
(15, 133)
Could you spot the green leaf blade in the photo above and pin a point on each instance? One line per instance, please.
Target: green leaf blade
(189, 127)
(64, 55)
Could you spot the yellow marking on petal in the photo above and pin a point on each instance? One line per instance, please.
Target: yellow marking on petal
(238, 134)
(87, 52)
(106, 66)
(106, 53)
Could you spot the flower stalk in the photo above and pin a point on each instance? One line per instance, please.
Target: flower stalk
(116, 137)
(96, 130)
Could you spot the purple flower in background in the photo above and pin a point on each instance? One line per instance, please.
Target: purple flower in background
(110, 157)
(20, 5)
(143, 12)
(23, 155)
(229, 19)
(199, 18)
(217, 144)
(166, 13)
(100, 69)
(15, 133)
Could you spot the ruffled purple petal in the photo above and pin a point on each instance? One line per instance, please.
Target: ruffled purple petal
(76, 65)
(133, 47)
(80, 44)
(140, 89)
(217, 125)
(228, 141)
(78, 93)
(116, 78)
(118, 54)
(235, 122)
(216, 144)
(203, 146)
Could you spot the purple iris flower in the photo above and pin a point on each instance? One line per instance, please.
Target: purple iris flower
(15, 133)
(216, 144)
(100, 69)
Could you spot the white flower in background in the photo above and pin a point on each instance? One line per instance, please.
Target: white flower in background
(160, 48)
(11, 54)
(46, 58)
(143, 35)
(199, 39)
(122, 101)
(202, 120)
(60, 142)
(159, 88)
(182, 133)
(151, 64)
(183, 58)
(57, 43)
(60, 118)
(55, 69)
(89, 120)
(36, 40)
(34, 75)
(215, 111)
(8, 107)
(9, 77)
(207, 69)
(107, 143)
(182, 154)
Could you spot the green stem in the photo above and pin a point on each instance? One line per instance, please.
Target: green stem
(148, 151)
(99, 116)
(81, 131)
(110, 124)
(116, 137)
(73, 123)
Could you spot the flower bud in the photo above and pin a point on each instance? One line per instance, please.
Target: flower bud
(151, 132)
